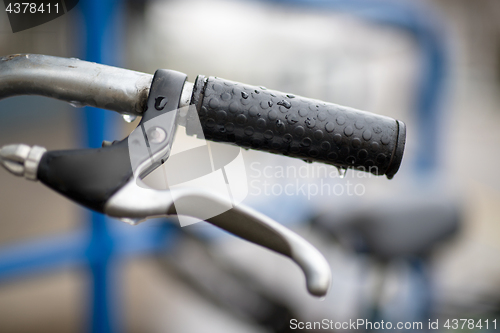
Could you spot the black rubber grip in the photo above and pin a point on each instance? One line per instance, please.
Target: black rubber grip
(258, 118)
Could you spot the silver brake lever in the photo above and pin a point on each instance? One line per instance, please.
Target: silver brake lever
(138, 202)
(135, 201)
(109, 179)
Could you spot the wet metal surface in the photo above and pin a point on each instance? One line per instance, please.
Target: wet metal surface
(78, 82)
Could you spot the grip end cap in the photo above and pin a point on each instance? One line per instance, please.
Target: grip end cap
(398, 151)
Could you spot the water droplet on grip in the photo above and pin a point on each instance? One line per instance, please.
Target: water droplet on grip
(342, 172)
(285, 104)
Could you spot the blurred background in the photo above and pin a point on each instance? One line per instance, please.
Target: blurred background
(421, 246)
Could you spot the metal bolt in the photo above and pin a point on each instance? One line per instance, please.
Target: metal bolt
(156, 135)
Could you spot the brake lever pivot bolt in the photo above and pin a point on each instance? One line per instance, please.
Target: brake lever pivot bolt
(156, 135)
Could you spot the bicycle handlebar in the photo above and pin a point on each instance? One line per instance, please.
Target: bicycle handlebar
(75, 81)
(267, 120)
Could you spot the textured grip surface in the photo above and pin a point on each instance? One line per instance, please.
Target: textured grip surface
(258, 118)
